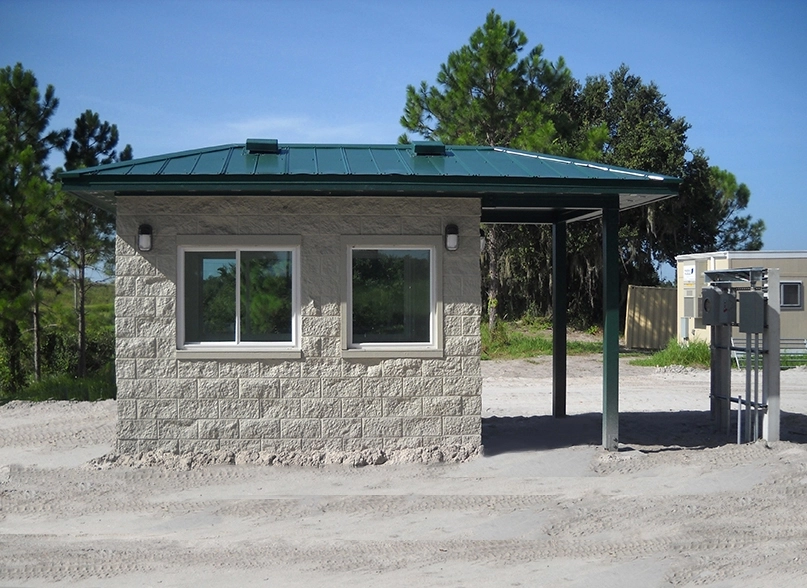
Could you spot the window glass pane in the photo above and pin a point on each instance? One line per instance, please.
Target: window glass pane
(266, 295)
(791, 295)
(391, 296)
(209, 296)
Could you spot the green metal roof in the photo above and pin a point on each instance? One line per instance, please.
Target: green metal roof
(515, 186)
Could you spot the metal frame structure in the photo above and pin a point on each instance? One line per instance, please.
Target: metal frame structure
(726, 286)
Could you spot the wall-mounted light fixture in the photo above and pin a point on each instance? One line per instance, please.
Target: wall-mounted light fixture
(144, 238)
(452, 237)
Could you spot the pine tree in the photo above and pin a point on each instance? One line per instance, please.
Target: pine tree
(486, 94)
(89, 238)
(29, 205)
(489, 95)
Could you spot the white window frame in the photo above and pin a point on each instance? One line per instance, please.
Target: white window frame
(432, 348)
(800, 287)
(239, 349)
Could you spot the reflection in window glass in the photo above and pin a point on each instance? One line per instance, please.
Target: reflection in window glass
(209, 296)
(260, 311)
(266, 296)
(391, 296)
(791, 294)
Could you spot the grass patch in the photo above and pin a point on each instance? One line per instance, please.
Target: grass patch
(786, 361)
(696, 354)
(789, 360)
(520, 340)
(100, 386)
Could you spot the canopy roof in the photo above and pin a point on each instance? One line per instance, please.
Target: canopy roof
(514, 186)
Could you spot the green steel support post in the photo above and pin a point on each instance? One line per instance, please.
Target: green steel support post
(610, 343)
(559, 319)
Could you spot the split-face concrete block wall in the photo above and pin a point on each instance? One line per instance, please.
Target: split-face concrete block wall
(319, 396)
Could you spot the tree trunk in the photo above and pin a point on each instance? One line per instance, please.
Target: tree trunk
(492, 246)
(82, 316)
(37, 330)
(13, 342)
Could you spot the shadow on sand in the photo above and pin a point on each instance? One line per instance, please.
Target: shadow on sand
(689, 429)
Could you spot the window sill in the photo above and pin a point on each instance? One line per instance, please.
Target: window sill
(237, 354)
(392, 353)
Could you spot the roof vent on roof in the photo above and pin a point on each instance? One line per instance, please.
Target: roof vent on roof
(262, 146)
(429, 148)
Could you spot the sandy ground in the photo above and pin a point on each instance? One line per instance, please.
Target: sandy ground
(678, 505)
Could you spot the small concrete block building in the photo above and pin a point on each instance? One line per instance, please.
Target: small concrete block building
(327, 298)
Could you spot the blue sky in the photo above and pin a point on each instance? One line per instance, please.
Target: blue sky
(176, 75)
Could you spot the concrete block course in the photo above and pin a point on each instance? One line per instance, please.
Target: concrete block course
(382, 387)
(218, 429)
(198, 409)
(218, 388)
(263, 428)
(322, 399)
(443, 406)
(177, 429)
(163, 408)
(258, 387)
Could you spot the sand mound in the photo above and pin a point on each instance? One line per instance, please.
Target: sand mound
(190, 461)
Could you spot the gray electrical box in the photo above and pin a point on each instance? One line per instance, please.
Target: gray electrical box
(709, 302)
(718, 308)
(752, 312)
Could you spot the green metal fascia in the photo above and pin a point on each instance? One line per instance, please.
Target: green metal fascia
(551, 199)
(423, 185)
(535, 217)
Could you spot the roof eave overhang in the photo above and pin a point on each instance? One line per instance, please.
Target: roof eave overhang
(497, 193)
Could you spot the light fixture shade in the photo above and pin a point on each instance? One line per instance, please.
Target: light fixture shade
(144, 238)
(452, 237)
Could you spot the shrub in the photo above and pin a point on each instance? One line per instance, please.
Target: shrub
(100, 386)
(60, 351)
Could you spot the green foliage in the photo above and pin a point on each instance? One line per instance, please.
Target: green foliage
(43, 234)
(695, 353)
(391, 296)
(735, 232)
(266, 295)
(218, 301)
(93, 143)
(100, 386)
(60, 350)
(510, 340)
(60, 361)
(789, 360)
(88, 233)
(29, 206)
(487, 94)
(536, 322)
(59, 339)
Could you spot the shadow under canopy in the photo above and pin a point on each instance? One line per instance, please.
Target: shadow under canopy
(690, 429)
